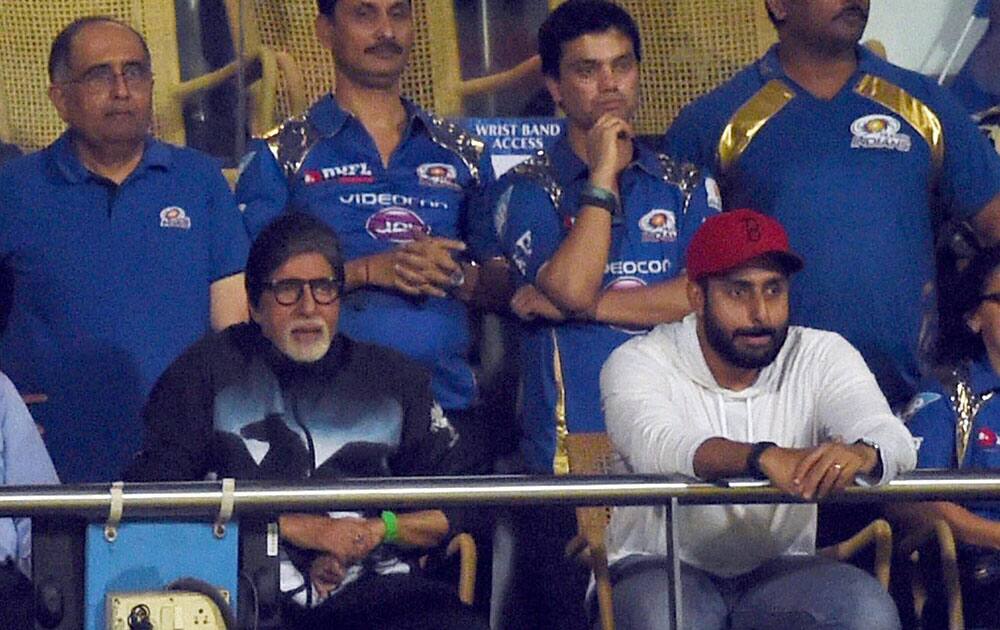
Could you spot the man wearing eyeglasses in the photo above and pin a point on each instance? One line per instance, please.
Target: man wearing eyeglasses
(117, 251)
(285, 397)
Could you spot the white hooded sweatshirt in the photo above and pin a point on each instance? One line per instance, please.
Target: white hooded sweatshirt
(661, 403)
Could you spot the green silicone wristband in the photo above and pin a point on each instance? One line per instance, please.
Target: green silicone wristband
(391, 526)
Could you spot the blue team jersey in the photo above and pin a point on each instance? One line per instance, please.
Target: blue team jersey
(967, 91)
(931, 418)
(110, 285)
(536, 202)
(326, 164)
(859, 181)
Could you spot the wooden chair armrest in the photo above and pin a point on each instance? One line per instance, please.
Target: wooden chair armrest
(879, 533)
(527, 69)
(940, 533)
(576, 546)
(465, 546)
(34, 399)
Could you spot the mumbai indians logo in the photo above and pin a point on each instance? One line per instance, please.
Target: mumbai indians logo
(877, 131)
(396, 225)
(623, 283)
(437, 174)
(658, 226)
(174, 217)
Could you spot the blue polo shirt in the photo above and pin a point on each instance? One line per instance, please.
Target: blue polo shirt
(859, 182)
(110, 284)
(664, 202)
(931, 419)
(432, 185)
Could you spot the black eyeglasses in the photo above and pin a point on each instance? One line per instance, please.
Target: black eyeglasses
(289, 291)
(104, 78)
(990, 297)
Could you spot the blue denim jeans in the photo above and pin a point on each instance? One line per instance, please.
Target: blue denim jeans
(800, 592)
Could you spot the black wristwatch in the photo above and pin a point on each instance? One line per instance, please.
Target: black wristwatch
(753, 459)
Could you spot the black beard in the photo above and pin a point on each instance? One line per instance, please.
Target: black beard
(725, 345)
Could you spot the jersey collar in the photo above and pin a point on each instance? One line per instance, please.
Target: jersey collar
(982, 378)
(155, 155)
(329, 118)
(769, 66)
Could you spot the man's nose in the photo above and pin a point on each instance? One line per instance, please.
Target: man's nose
(758, 308)
(385, 27)
(606, 79)
(307, 304)
(119, 86)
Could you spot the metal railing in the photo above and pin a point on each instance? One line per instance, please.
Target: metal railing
(223, 499)
(192, 499)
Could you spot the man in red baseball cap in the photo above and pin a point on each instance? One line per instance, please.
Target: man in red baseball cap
(734, 391)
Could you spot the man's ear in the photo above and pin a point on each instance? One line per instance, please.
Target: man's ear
(696, 297)
(778, 9)
(552, 85)
(58, 97)
(973, 322)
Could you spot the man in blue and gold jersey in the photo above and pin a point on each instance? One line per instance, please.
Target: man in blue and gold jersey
(596, 228)
(860, 160)
(403, 189)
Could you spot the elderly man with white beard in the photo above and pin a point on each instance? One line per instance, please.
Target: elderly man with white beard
(286, 397)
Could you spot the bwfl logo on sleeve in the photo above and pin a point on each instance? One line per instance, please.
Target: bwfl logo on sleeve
(357, 173)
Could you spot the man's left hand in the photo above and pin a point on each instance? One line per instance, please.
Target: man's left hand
(831, 467)
(529, 303)
(427, 263)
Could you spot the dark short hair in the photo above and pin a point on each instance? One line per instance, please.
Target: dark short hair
(959, 295)
(326, 6)
(770, 14)
(61, 52)
(581, 17)
(288, 236)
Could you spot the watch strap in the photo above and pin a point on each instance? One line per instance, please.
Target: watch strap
(753, 459)
(602, 198)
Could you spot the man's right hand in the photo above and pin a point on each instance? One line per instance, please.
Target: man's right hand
(609, 150)
(326, 573)
(348, 539)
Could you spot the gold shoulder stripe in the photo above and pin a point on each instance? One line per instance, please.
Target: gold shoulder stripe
(910, 109)
(749, 119)
(560, 461)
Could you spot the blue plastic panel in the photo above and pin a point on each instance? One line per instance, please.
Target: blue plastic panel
(150, 555)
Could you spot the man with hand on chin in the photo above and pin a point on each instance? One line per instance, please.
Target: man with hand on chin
(285, 397)
(596, 228)
(731, 391)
